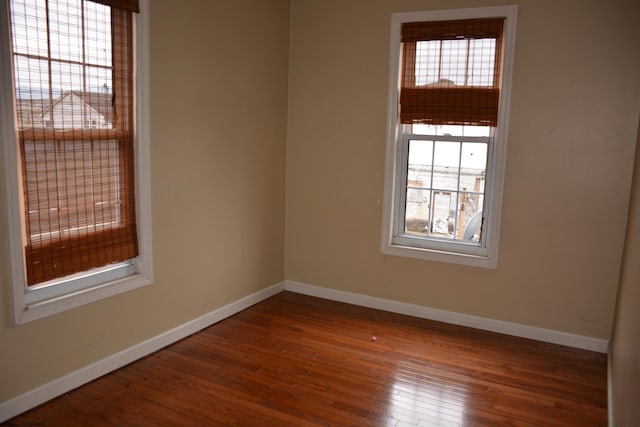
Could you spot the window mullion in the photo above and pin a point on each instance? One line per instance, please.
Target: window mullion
(440, 53)
(85, 107)
(62, 200)
(432, 195)
(459, 194)
(49, 63)
(466, 67)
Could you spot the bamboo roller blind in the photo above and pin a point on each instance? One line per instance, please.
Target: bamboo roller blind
(73, 75)
(451, 72)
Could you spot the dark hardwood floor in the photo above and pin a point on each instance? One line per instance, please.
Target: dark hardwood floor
(295, 360)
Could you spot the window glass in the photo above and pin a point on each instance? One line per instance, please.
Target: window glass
(445, 188)
(467, 62)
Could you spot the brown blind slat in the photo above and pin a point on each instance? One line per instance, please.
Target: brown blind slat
(129, 5)
(452, 106)
(62, 258)
(489, 28)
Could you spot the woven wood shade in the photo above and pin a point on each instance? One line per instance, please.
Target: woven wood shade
(130, 5)
(450, 106)
(483, 28)
(462, 59)
(75, 125)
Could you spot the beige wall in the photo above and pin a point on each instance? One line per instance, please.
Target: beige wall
(567, 185)
(625, 347)
(574, 115)
(218, 133)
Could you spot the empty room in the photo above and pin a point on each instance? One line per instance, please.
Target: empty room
(320, 212)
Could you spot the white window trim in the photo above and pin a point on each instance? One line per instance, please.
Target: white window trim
(392, 245)
(32, 305)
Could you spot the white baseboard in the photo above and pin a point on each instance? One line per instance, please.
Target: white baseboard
(515, 329)
(57, 387)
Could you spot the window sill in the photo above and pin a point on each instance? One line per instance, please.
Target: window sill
(471, 260)
(50, 306)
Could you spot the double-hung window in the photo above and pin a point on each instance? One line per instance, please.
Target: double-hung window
(446, 146)
(71, 154)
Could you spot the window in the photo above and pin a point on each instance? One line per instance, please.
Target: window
(79, 192)
(448, 115)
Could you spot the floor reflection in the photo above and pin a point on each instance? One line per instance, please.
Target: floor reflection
(416, 399)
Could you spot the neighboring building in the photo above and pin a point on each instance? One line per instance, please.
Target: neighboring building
(30, 112)
(79, 110)
(71, 109)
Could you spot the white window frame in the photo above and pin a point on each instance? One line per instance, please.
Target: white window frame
(394, 241)
(87, 287)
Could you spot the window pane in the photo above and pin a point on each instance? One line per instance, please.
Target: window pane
(470, 216)
(474, 158)
(65, 30)
(445, 165)
(453, 130)
(31, 77)
(66, 77)
(32, 91)
(418, 184)
(97, 34)
(443, 208)
(99, 80)
(454, 61)
(421, 153)
(29, 35)
(417, 209)
(427, 62)
(476, 131)
(472, 186)
(482, 54)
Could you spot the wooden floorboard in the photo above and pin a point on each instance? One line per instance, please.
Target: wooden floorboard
(295, 360)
